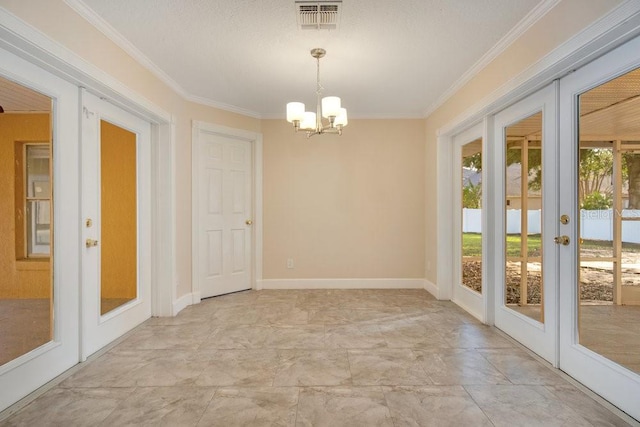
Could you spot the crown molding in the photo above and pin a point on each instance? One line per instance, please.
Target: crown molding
(518, 30)
(222, 106)
(122, 42)
(112, 34)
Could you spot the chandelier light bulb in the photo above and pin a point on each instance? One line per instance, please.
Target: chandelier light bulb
(309, 121)
(295, 111)
(341, 118)
(330, 106)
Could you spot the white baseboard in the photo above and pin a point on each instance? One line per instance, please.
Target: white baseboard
(181, 303)
(430, 287)
(341, 284)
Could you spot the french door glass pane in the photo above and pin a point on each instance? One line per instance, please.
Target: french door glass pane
(472, 215)
(609, 197)
(118, 217)
(26, 280)
(523, 209)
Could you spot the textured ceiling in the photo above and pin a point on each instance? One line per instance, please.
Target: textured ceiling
(17, 98)
(388, 59)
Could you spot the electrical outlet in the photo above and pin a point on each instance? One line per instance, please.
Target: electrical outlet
(290, 263)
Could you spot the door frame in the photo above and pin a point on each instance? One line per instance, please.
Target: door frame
(198, 127)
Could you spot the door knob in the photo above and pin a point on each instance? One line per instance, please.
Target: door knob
(91, 243)
(248, 222)
(562, 240)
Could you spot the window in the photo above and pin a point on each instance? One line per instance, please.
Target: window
(33, 191)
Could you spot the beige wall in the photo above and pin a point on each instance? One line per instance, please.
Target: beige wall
(344, 207)
(23, 278)
(559, 25)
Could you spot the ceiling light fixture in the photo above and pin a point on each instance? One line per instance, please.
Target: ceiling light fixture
(329, 108)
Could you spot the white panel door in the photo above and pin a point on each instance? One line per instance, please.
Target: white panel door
(26, 373)
(101, 323)
(525, 217)
(599, 343)
(225, 214)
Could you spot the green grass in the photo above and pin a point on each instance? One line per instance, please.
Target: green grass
(472, 245)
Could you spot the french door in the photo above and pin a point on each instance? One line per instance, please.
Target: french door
(524, 151)
(115, 193)
(600, 195)
(43, 310)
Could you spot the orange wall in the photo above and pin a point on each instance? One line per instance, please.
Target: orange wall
(349, 206)
(18, 279)
(118, 212)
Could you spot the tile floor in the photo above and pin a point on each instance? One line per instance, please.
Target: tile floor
(316, 358)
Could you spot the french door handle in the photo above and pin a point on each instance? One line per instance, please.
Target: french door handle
(562, 240)
(91, 243)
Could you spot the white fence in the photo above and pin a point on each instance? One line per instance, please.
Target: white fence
(594, 225)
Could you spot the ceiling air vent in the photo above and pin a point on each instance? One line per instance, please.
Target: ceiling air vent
(318, 15)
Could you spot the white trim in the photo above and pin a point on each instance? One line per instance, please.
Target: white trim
(222, 106)
(518, 30)
(164, 224)
(183, 302)
(444, 259)
(256, 142)
(430, 287)
(613, 29)
(345, 284)
(469, 309)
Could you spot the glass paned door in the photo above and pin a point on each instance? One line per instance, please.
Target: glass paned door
(39, 293)
(116, 253)
(470, 221)
(524, 149)
(600, 188)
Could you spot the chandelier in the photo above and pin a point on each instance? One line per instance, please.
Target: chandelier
(327, 107)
